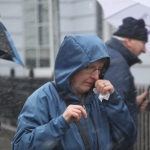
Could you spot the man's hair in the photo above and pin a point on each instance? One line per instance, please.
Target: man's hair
(119, 38)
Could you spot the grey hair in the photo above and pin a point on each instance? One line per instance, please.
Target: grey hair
(119, 38)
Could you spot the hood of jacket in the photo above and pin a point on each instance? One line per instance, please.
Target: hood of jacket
(77, 52)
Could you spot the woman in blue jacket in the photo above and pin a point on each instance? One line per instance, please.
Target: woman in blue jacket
(62, 116)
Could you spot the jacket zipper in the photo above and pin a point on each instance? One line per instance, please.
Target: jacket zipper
(97, 143)
(84, 106)
(85, 120)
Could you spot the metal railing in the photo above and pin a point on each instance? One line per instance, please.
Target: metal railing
(143, 135)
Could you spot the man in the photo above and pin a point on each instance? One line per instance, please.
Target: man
(68, 115)
(127, 43)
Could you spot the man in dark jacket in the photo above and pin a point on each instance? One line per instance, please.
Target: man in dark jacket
(127, 43)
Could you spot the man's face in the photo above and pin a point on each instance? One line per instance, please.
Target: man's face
(137, 47)
(82, 81)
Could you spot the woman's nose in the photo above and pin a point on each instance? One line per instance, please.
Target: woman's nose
(95, 75)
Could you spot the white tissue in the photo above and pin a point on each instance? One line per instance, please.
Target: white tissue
(101, 96)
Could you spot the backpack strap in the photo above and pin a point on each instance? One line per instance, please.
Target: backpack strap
(80, 130)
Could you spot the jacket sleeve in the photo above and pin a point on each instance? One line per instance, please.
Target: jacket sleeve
(122, 126)
(36, 128)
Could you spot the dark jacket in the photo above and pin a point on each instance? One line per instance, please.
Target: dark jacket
(120, 75)
(41, 125)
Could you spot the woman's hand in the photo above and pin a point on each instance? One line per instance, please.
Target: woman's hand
(74, 113)
(104, 86)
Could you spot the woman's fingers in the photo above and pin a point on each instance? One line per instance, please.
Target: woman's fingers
(74, 113)
(104, 86)
(80, 110)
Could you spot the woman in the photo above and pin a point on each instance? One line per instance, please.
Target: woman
(56, 117)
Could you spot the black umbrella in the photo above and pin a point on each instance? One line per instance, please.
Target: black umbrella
(7, 48)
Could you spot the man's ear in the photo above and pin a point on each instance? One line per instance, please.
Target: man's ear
(128, 43)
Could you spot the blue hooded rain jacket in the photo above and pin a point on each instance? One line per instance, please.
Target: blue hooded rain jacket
(41, 125)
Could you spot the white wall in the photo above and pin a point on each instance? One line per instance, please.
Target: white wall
(77, 17)
(141, 72)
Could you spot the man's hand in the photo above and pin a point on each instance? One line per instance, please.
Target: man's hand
(74, 113)
(141, 103)
(104, 86)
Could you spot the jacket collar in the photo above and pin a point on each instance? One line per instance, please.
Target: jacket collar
(118, 46)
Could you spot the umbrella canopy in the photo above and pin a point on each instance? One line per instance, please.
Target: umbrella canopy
(7, 48)
(116, 10)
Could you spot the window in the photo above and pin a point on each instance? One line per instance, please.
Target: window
(37, 33)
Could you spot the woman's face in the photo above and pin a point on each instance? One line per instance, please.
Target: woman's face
(82, 81)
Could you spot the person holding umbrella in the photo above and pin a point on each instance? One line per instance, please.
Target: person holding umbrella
(124, 47)
(78, 111)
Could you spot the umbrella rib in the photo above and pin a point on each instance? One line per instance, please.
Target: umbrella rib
(122, 10)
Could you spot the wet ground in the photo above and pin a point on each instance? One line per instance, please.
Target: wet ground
(5, 139)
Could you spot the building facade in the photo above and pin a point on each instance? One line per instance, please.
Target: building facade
(38, 27)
